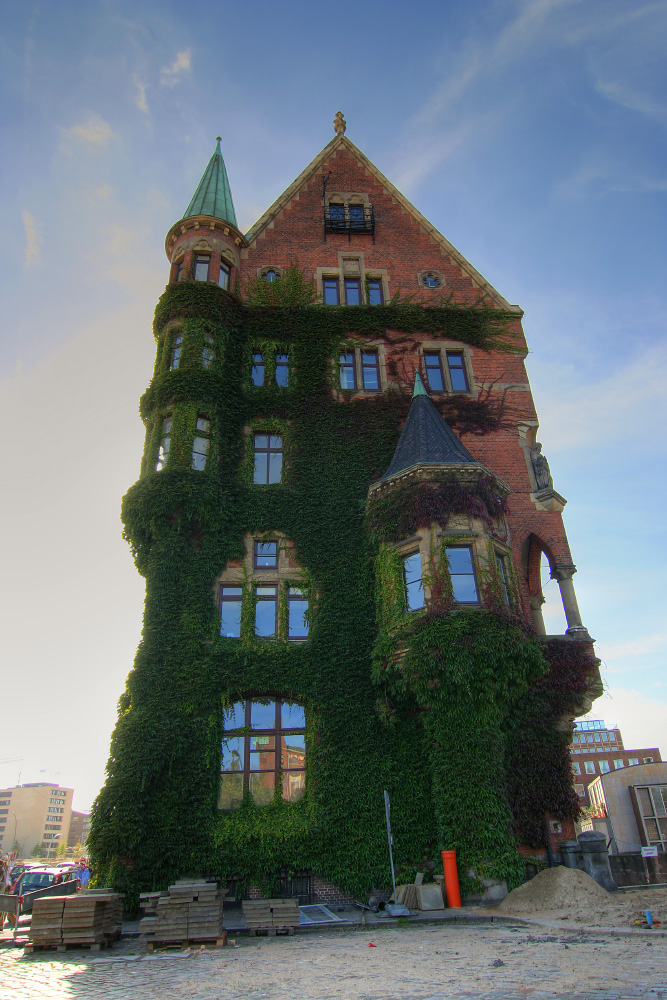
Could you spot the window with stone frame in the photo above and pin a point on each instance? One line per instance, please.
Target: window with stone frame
(176, 350)
(202, 266)
(413, 582)
(224, 276)
(447, 370)
(165, 442)
(360, 368)
(208, 351)
(268, 458)
(263, 752)
(201, 442)
(462, 574)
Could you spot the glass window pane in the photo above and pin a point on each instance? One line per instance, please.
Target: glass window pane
(260, 474)
(282, 370)
(459, 383)
(347, 371)
(275, 467)
(298, 626)
(260, 744)
(257, 373)
(266, 553)
(434, 372)
(265, 618)
(207, 356)
(293, 716)
(230, 619)
(276, 441)
(231, 791)
(464, 589)
(261, 441)
(370, 371)
(201, 268)
(235, 716)
(263, 715)
(336, 210)
(352, 293)
(223, 279)
(262, 787)
(460, 560)
(233, 753)
(294, 743)
(330, 289)
(263, 760)
(356, 212)
(199, 453)
(294, 785)
(413, 567)
(414, 593)
(374, 293)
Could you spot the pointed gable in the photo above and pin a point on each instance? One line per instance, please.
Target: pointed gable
(340, 144)
(213, 196)
(426, 438)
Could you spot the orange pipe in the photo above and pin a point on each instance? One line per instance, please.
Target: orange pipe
(451, 878)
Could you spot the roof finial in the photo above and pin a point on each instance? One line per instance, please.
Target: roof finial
(218, 138)
(339, 123)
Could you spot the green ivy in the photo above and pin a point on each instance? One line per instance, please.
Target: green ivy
(157, 815)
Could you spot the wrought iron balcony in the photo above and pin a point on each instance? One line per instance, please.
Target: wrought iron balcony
(349, 219)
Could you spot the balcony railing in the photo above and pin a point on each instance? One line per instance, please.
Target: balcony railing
(351, 220)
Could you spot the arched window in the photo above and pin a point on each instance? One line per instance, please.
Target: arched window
(264, 748)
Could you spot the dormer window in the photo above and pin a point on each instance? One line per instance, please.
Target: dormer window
(349, 213)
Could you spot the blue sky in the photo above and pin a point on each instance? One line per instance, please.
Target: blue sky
(530, 132)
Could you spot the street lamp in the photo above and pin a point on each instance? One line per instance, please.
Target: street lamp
(54, 836)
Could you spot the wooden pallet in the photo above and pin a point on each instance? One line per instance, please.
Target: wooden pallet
(65, 946)
(184, 943)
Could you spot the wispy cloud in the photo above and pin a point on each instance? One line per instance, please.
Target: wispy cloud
(94, 135)
(578, 419)
(171, 75)
(637, 647)
(642, 719)
(32, 241)
(140, 95)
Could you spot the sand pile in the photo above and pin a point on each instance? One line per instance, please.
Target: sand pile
(557, 888)
(569, 894)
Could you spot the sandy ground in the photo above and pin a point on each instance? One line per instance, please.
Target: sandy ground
(406, 963)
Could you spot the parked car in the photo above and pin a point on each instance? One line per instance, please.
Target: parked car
(44, 882)
(39, 878)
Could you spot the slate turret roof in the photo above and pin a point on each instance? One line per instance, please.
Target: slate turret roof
(213, 196)
(426, 438)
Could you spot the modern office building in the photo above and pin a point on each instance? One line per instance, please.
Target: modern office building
(629, 805)
(341, 513)
(34, 815)
(597, 749)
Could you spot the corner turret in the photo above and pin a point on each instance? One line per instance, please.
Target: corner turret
(205, 244)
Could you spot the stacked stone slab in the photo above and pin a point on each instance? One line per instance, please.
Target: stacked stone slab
(90, 918)
(271, 915)
(188, 911)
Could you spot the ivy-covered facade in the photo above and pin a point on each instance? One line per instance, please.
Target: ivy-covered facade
(340, 516)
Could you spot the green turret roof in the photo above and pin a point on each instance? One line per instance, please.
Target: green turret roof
(213, 196)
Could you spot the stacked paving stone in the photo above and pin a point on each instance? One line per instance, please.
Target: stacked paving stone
(188, 911)
(92, 919)
(271, 915)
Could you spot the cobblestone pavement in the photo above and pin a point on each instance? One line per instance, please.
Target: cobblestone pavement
(412, 963)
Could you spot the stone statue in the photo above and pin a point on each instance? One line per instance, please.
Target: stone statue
(339, 123)
(541, 468)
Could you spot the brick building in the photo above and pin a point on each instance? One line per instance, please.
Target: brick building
(597, 749)
(338, 357)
